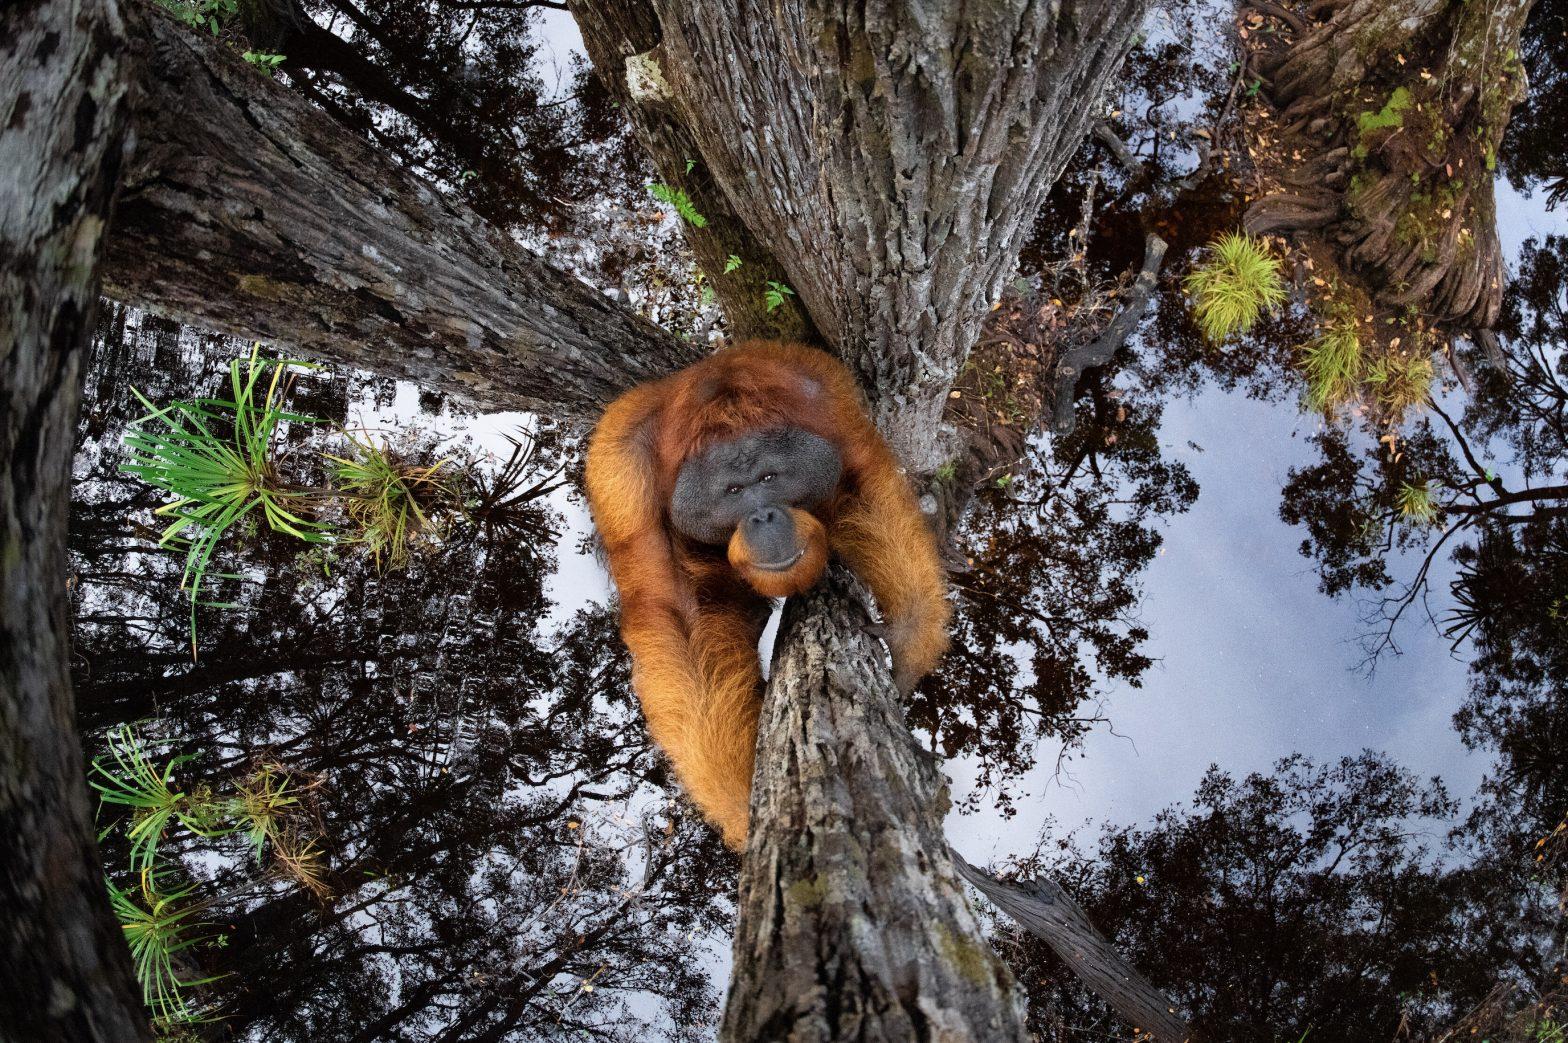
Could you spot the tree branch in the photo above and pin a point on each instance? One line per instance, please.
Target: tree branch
(1073, 364)
(247, 211)
(1044, 909)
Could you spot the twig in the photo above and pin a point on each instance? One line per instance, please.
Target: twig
(1119, 149)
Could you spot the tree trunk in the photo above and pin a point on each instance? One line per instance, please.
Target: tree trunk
(616, 31)
(890, 158)
(248, 211)
(852, 921)
(1045, 909)
(1399, 108)
(63, 116)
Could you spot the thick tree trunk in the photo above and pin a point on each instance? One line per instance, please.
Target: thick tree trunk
(890, 158)
(64, 970)
(1399, 108)
(248, 211)
(852, 921)
(615, 31)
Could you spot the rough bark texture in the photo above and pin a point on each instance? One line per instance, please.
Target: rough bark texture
(891, 158)
(852, 923)
(64, 970)
(248, 211)
(1044, 909)
(617, 34)
(1399, 108)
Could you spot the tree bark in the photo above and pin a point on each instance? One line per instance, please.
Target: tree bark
(1399, 107)
(63, 116)
(248, 211)
(852, 923)
(617, 34)
(890, 158)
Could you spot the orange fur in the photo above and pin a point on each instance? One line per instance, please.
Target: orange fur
(691, 615)
(799, 577)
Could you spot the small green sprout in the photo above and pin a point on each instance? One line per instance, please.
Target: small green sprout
(267, 63)
(777, 291)
(677, 198)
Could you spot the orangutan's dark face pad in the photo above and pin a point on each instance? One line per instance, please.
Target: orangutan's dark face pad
(751, 481)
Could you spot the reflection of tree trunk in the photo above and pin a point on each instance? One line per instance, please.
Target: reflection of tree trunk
(612, 31)
(62, 137)
(1045, 909)
(1399, 106)
(248, 211)
(852, 921)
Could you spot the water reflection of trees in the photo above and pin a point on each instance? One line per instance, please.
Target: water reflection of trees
(498, 868)
(1532, 152)
(1354, 900)
(461, 92)
(1312, 901)
(474, 760)
(1047, 607)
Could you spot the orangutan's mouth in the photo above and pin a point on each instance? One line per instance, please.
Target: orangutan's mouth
(780, 566)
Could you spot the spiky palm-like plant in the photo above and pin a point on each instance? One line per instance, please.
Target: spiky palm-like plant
(159, 928)
(1238, 282)
(129, 778)
(216, 457)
